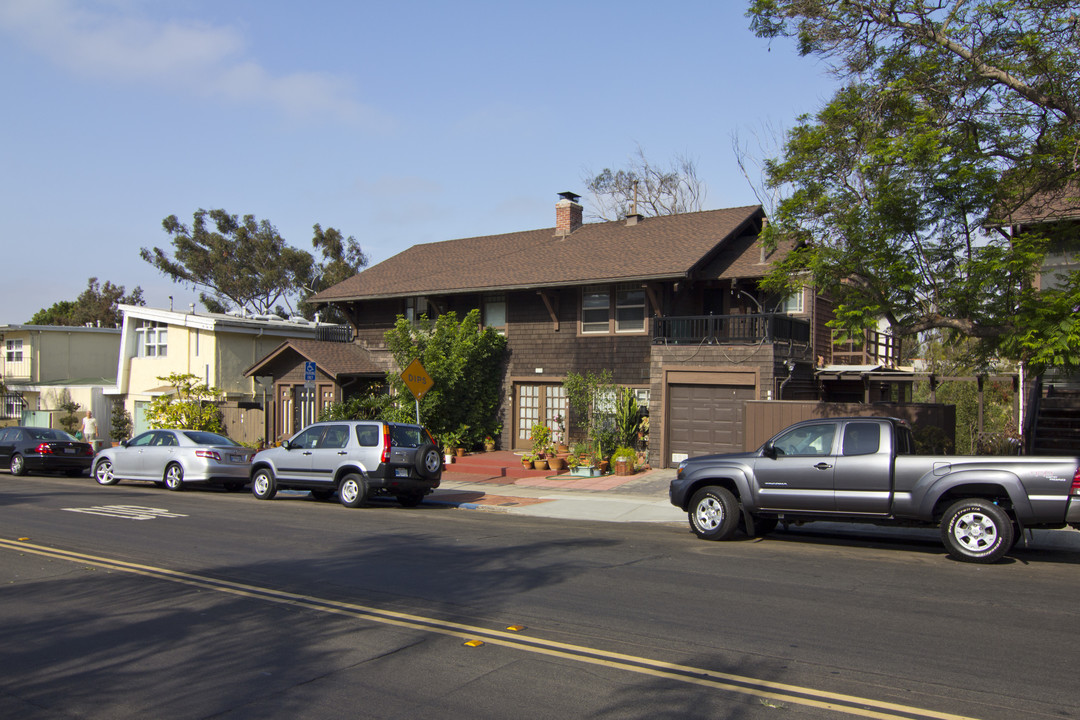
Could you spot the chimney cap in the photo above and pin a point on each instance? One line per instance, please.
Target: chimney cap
(572, 197)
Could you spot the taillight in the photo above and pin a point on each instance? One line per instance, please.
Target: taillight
(208, 454)
(44, 449)
(1076, 483)
(385, 444)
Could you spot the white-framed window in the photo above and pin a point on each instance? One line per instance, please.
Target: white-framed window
(629, 309)
(13, 350)
(494, 313)
(416, 307)
(595, 310)
(620, 309)
(793, 304)
(151, 338)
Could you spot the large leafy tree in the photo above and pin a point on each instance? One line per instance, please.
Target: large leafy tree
(246, 263)
(96, 305)
(953, 118)
(465, 365)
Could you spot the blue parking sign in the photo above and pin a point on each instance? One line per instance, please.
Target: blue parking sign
(309, 371)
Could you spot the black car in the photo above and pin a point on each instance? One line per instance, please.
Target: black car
(38, 449)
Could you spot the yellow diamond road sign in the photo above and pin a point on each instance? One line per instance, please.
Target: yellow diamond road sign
(417, 379)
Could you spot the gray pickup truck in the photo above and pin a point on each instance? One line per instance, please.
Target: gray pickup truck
(863, 469)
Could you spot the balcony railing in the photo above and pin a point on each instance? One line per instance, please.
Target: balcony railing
(729, 329)
(873, 348)
(18, 369)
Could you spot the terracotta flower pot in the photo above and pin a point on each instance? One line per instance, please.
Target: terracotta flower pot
(540, 464)
(556, 463)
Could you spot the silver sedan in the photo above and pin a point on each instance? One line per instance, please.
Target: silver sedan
(174, 458)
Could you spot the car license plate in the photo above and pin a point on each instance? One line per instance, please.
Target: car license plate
(69, 451)
(237, 458)
(401, 472)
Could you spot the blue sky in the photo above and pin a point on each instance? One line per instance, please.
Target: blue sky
(396, 123)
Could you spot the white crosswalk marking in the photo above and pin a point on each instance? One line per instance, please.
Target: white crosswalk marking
(129, 512)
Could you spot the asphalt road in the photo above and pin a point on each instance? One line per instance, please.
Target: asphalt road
(134, 602)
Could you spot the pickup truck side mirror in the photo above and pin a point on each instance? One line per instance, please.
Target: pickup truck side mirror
(285, 444)
(768, 450)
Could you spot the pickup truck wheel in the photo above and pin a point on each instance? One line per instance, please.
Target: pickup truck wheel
(714, 513)
(353, 490)
(263, 484)
(976, 530)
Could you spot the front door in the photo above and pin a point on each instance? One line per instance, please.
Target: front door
(538, 403)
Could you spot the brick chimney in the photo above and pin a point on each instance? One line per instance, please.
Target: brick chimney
(567, 214)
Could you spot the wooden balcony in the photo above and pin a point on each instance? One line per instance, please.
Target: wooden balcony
(873, 348)
(729, 329)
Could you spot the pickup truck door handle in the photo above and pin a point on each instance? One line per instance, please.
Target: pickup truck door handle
(822, 466)
(342, 452)
(307, 452)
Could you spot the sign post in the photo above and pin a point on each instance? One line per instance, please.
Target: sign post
(418, 382)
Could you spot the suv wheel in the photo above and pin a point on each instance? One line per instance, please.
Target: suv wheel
(353, 490)
(263, 484)
(428, 461)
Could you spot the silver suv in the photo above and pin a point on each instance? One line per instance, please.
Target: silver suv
(354, 458)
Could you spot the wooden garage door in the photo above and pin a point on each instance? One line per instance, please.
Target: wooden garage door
(706, 419)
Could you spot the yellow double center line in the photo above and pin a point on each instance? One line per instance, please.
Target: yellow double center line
(763, 689)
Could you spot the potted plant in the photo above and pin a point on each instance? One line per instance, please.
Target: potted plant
(623, 459)
(556, 462)
(489, 444)
(541, 437)
(527, 460)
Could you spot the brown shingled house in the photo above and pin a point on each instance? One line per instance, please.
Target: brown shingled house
(341, 370)
(669, 304)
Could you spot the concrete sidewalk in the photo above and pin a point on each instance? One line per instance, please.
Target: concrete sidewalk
(496, 482)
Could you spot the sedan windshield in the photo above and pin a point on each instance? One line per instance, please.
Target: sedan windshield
(46, 434)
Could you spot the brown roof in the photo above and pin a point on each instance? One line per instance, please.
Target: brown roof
(1046, 206)
(333, 358)
(658, 247)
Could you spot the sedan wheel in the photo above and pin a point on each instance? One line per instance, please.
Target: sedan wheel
(18, 465)
(174, 477)
(103, 473)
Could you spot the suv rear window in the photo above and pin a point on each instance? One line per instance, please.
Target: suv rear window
(407, 436)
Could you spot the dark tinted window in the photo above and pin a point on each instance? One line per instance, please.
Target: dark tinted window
(47, 434)
(200, 437)
(862, 438)
(336, 436)
(367, 435)
(407, 436)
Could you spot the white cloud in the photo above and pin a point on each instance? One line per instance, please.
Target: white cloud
(116, 42)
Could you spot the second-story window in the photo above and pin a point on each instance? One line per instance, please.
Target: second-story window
(629, 309)
(151, 338)
(495, 313)
(595, 310)
(793, 304)
(13, 350)
(620, 309)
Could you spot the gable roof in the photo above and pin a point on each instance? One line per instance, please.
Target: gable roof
(654, 248)
(333, 358)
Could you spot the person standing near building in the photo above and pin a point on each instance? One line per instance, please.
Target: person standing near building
(89, 428)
